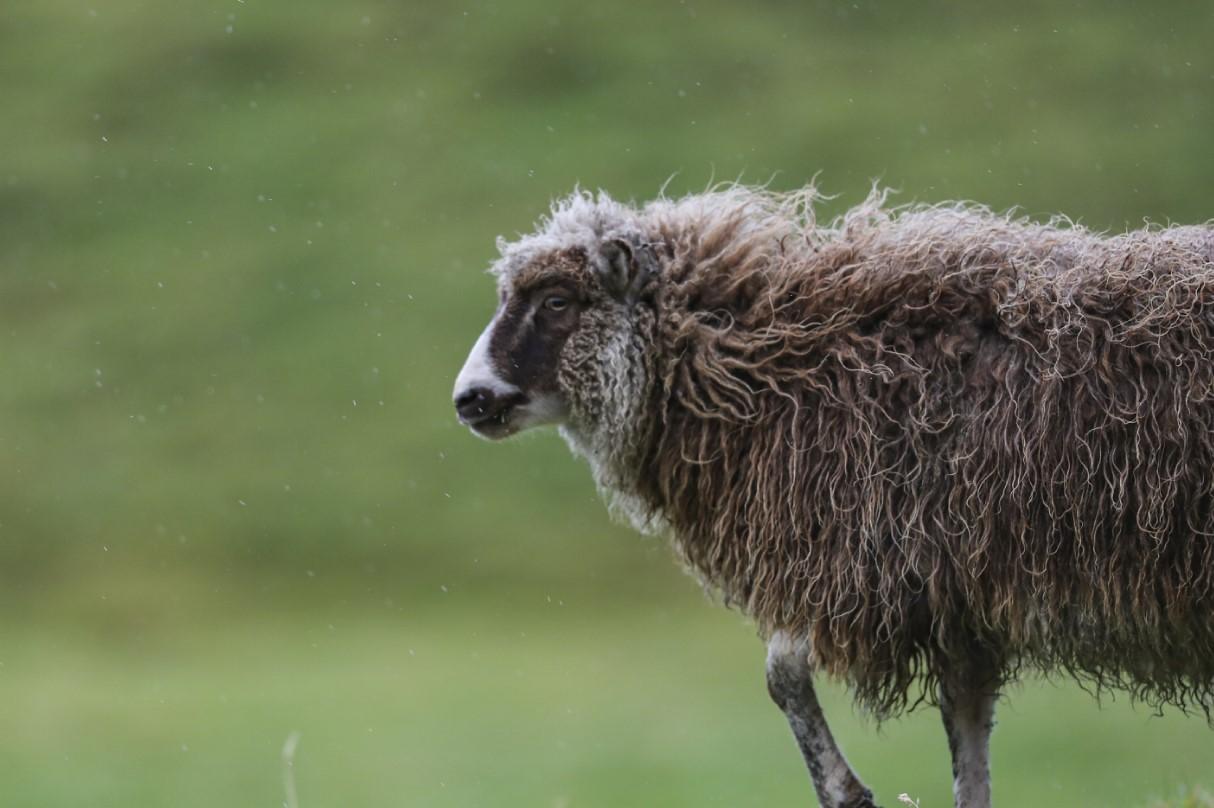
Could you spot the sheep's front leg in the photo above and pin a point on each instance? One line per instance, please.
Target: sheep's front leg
(967, 705)
(790, 682)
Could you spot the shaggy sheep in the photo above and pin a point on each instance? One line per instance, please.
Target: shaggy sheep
(928, 444)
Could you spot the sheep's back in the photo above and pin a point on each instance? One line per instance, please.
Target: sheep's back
(962, 440)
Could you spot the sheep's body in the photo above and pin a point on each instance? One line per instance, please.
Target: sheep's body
(930, 437)
(932, 444)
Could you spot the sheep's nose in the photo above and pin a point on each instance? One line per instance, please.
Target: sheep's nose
(475, 404)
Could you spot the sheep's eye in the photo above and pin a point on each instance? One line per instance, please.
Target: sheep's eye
(556, 303)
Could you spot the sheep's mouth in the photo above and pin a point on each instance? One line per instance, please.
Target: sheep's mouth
(498, 421)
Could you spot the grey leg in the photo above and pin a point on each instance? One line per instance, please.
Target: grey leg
(967, 705)
(790, 682)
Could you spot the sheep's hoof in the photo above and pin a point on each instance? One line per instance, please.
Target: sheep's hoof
(864, 800)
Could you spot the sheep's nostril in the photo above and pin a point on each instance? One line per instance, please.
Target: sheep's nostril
(475, 404)
(483, 409)
(469, 397)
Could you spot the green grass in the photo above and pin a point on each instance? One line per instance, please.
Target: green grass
(1196, 798)
(517, 701)
(240, 254)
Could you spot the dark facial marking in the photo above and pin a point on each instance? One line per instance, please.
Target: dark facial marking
(526, 344)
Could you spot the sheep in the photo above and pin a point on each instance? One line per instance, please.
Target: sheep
(925, 449)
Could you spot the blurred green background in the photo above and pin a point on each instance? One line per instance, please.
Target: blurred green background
(241, 246)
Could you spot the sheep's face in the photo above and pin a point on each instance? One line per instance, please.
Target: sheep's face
(552, 344)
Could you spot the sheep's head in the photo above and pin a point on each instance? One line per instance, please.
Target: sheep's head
(566, 345)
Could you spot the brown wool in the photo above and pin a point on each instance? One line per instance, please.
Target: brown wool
(934, 438)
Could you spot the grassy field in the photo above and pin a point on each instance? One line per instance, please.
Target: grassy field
(517, 701)
(241, 245)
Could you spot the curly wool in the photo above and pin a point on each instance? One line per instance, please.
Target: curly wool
(936, 438)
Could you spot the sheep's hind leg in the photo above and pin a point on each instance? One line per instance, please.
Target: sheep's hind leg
(967, 705)
(790, 682)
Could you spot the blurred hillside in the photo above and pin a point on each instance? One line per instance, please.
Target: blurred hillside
(241, 246)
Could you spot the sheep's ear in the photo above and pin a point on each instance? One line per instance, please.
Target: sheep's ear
(625, 268)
